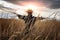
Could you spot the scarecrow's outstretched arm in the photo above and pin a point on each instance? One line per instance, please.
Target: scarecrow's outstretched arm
(40, 18)
(20, 16)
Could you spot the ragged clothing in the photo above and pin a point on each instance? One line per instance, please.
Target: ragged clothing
(27, 18)
(29, 21)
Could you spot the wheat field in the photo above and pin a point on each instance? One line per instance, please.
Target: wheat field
(12, 29)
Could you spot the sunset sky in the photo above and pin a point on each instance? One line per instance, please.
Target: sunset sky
(47, 3)
(45, 7)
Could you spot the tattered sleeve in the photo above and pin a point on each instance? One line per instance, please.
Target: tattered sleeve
(20, 16)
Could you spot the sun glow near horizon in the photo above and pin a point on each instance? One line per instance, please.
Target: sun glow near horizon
(21, 9)
(30, 6)
(34, 8)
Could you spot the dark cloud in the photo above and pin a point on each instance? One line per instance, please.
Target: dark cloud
(48, 3)
(52, 3)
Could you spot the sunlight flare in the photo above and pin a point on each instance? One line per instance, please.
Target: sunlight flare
(33, 7)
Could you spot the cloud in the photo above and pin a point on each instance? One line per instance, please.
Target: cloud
(52, 3)
(48, 3)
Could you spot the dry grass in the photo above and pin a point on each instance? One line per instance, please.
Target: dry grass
(10, 26)
(11, 29)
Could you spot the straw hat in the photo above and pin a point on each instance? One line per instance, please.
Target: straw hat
(29, 11)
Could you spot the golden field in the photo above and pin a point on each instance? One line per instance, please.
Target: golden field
(12, 29)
